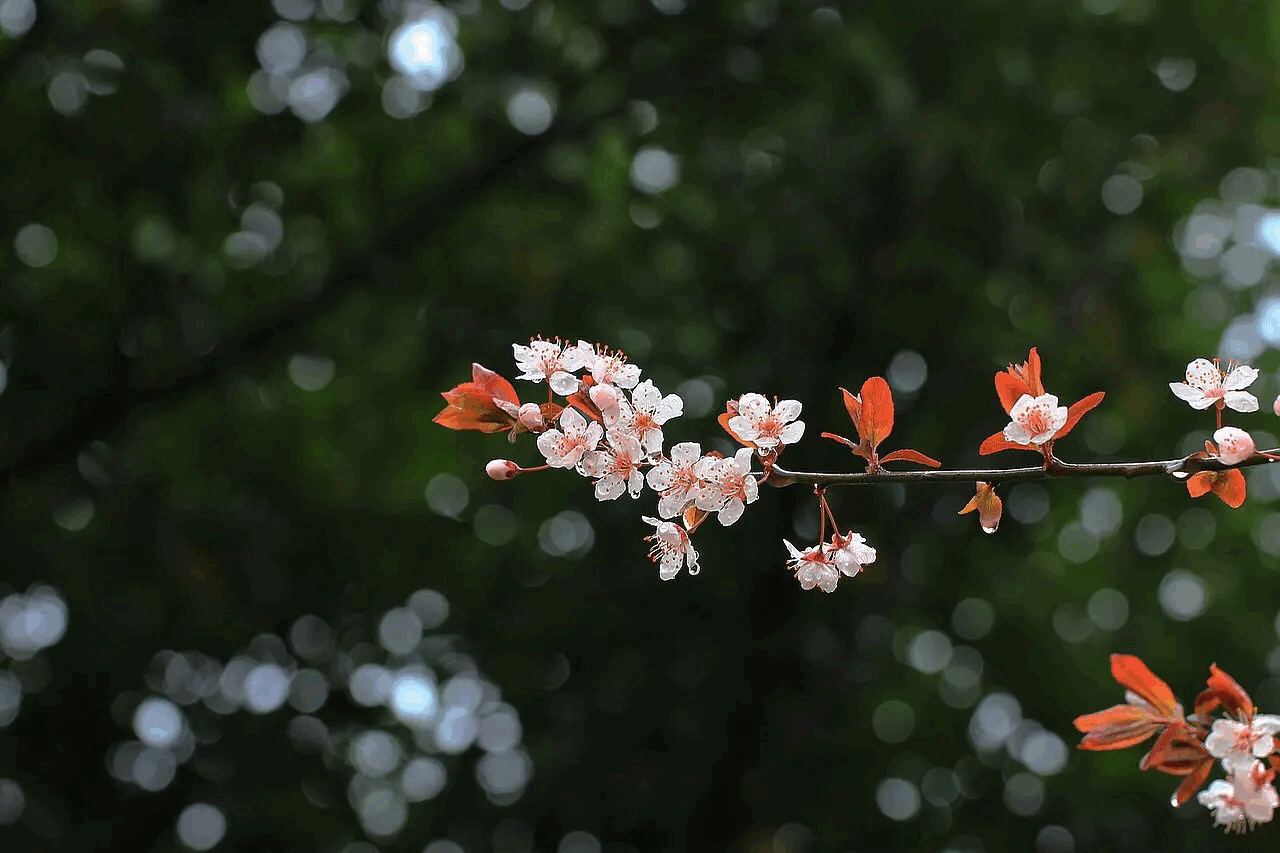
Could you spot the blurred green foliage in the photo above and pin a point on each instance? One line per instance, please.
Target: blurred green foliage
(242, 256)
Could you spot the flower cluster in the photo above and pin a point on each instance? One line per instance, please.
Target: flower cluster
(610, 430)
(1243, 742)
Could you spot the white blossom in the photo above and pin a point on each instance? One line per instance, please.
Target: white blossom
(1035, 420)
(767, 426)
(553, 362)
(672, 548)
(565, 447)
(1207, 385)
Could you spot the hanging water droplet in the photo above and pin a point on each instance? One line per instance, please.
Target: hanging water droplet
(986, 529)
(1180, 475)
(1173, 801)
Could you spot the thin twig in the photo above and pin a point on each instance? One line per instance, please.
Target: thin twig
(1178, 469)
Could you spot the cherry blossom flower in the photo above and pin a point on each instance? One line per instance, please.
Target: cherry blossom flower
(1275, 407)
(643, 416)
(765, 426)
(672, 548)
(675, 479)
(1234, 445)
(608, 367)
(1023, 380)
(1239, 743)
(616, 468)
(850, 552)
(550, 361)
(1207, 385)
(728, 485)
(1035, 419)
(813, 567)
(1242, 800)
(565, 447)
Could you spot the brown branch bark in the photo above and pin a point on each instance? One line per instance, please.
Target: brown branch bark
(1178, 469)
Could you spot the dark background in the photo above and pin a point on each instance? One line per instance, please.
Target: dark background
(242, 255)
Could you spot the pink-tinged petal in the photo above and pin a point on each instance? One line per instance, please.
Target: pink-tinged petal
(1240, 401)
(743, 427)
(1194, 396)
(610, 487)
(563, 383)
(1234, 445)
(686, 452)
(1017, 433)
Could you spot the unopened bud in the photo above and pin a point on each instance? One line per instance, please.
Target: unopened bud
(1234, 445)
(502, 469)
(531, 418)
(1275, 407)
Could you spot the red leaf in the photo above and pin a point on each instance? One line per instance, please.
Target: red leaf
(853, 406)
(1018, 380)
(1010, 388)
(1076, 410)
(988, 505)
(1178, 752)
(1133, 674)
(996, 443)
(1118, 727)
(911, 456)
(1198, 484)
(847, 442)
(1229, 485)
(475, 404)
(1192, 783)
(876, 421)
(1224, 690)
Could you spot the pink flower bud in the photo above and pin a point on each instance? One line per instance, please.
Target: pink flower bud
(502, 469)
(531, 417)
(1234, 445)
(1275, 407)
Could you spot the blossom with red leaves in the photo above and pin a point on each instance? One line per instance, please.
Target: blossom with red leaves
(1019, 387)
(488, 403)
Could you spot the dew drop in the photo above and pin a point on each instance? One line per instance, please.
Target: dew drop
(986, 529)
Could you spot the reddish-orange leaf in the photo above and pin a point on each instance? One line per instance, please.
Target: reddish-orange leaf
(1118, 727)
(996, 443)
(1076, 410)
(1010, 388)
(853, 406)
(911, 456)
(1230, 486)
(487, 403)
(1192, 783)
(1226, 691)
(1178, 751)
(1134, 675)
(1019, 379)
(847, 442)
(1198, 484)
(988, 506)
(876, 421)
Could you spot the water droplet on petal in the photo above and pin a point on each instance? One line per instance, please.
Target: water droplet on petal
(1173, 801)
(988, 529)
(1181, 475)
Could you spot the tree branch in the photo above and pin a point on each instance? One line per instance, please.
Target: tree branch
(1179, 469)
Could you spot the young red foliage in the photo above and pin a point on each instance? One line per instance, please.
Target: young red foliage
(988, 506)
(1122, 726)
(488, 403)
(1224, 690)
(1228, 485)
(871, 411)
(1017, 380)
